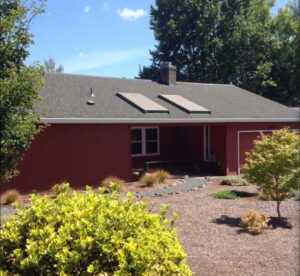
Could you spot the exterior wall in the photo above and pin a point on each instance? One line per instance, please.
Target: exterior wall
(232, 147)
(218, 134)
(79, 154)
(176, 143)
(86, 154)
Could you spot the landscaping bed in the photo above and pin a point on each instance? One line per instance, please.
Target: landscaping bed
(210, 231)
(215, 245)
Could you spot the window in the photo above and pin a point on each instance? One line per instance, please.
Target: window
(144, 141)
(206, 138)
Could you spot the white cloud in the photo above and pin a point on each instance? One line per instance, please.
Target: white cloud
(97, 59)
(105, 7)
(87, 9)
(131, 15)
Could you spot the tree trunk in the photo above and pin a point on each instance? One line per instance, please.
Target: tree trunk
(278, 209)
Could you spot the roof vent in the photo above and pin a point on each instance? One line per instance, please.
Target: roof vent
(92, 95)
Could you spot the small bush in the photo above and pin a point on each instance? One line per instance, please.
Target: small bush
(90, 233)
(254, 222)
(161, 176)
(148, 180)
(113, 184)
(225, 195)
(9, 197)
(263, 196)
(61, 188)
(233, 180)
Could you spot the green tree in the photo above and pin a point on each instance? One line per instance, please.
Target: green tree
(285, 55)
(50, 66)
(19, 84)
(273, 165)
(186, 35)
(244, 56)
(230, 41)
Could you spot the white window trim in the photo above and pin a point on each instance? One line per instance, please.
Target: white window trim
(143, 141)
(206, 142)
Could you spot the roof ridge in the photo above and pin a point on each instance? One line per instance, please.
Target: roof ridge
(133, 79)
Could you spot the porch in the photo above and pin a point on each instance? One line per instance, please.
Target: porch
(194, 149)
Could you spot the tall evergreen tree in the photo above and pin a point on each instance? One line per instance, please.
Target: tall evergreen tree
(227, 41)
(285, 55)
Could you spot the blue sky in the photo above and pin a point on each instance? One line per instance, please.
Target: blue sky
(96, 37)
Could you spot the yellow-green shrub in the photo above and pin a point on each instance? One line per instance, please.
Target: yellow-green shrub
(9, 197)
(90, 233)
(233, 180)
(113, 184)
(61, 188)
(148, 179)
(254, 221)
(161, 176)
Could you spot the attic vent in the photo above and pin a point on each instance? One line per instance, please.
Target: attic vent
(142, 103)
(185, 104)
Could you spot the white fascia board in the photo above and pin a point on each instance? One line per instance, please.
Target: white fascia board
(162, 121)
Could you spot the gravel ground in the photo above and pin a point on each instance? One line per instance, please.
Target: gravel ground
(209, 231)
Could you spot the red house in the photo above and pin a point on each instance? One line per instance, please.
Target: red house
(109, 126)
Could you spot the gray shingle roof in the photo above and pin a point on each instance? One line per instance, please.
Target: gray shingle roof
(66, 95)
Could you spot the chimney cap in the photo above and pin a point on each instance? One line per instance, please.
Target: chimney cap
(167, 64)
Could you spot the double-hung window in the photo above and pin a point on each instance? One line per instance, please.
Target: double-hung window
(144, 141)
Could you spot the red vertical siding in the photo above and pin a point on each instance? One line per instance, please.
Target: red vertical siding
(218, 134)
(79, 154)
(232, 140)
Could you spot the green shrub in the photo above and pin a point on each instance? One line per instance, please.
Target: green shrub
(61, 188)
(254, 222)
(225, 195)
(148, 180)
(113, 184)
(9, 197)
(233, 180)
(90, 233)
(162, 176)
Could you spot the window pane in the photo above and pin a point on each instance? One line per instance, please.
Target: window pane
(151, 147)
(136, 135)
(151, 134)
(136, 148)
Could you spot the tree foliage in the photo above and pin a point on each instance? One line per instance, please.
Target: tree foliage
(231, 41)
(90, 234)
(50, 66)
(19, 84)
(273, 165)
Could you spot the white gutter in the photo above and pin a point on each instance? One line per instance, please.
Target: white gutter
(162, 121)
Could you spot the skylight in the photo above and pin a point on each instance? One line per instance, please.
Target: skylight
(185, 104)
(142, 103)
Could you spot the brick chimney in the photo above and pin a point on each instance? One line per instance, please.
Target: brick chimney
(167, 74)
